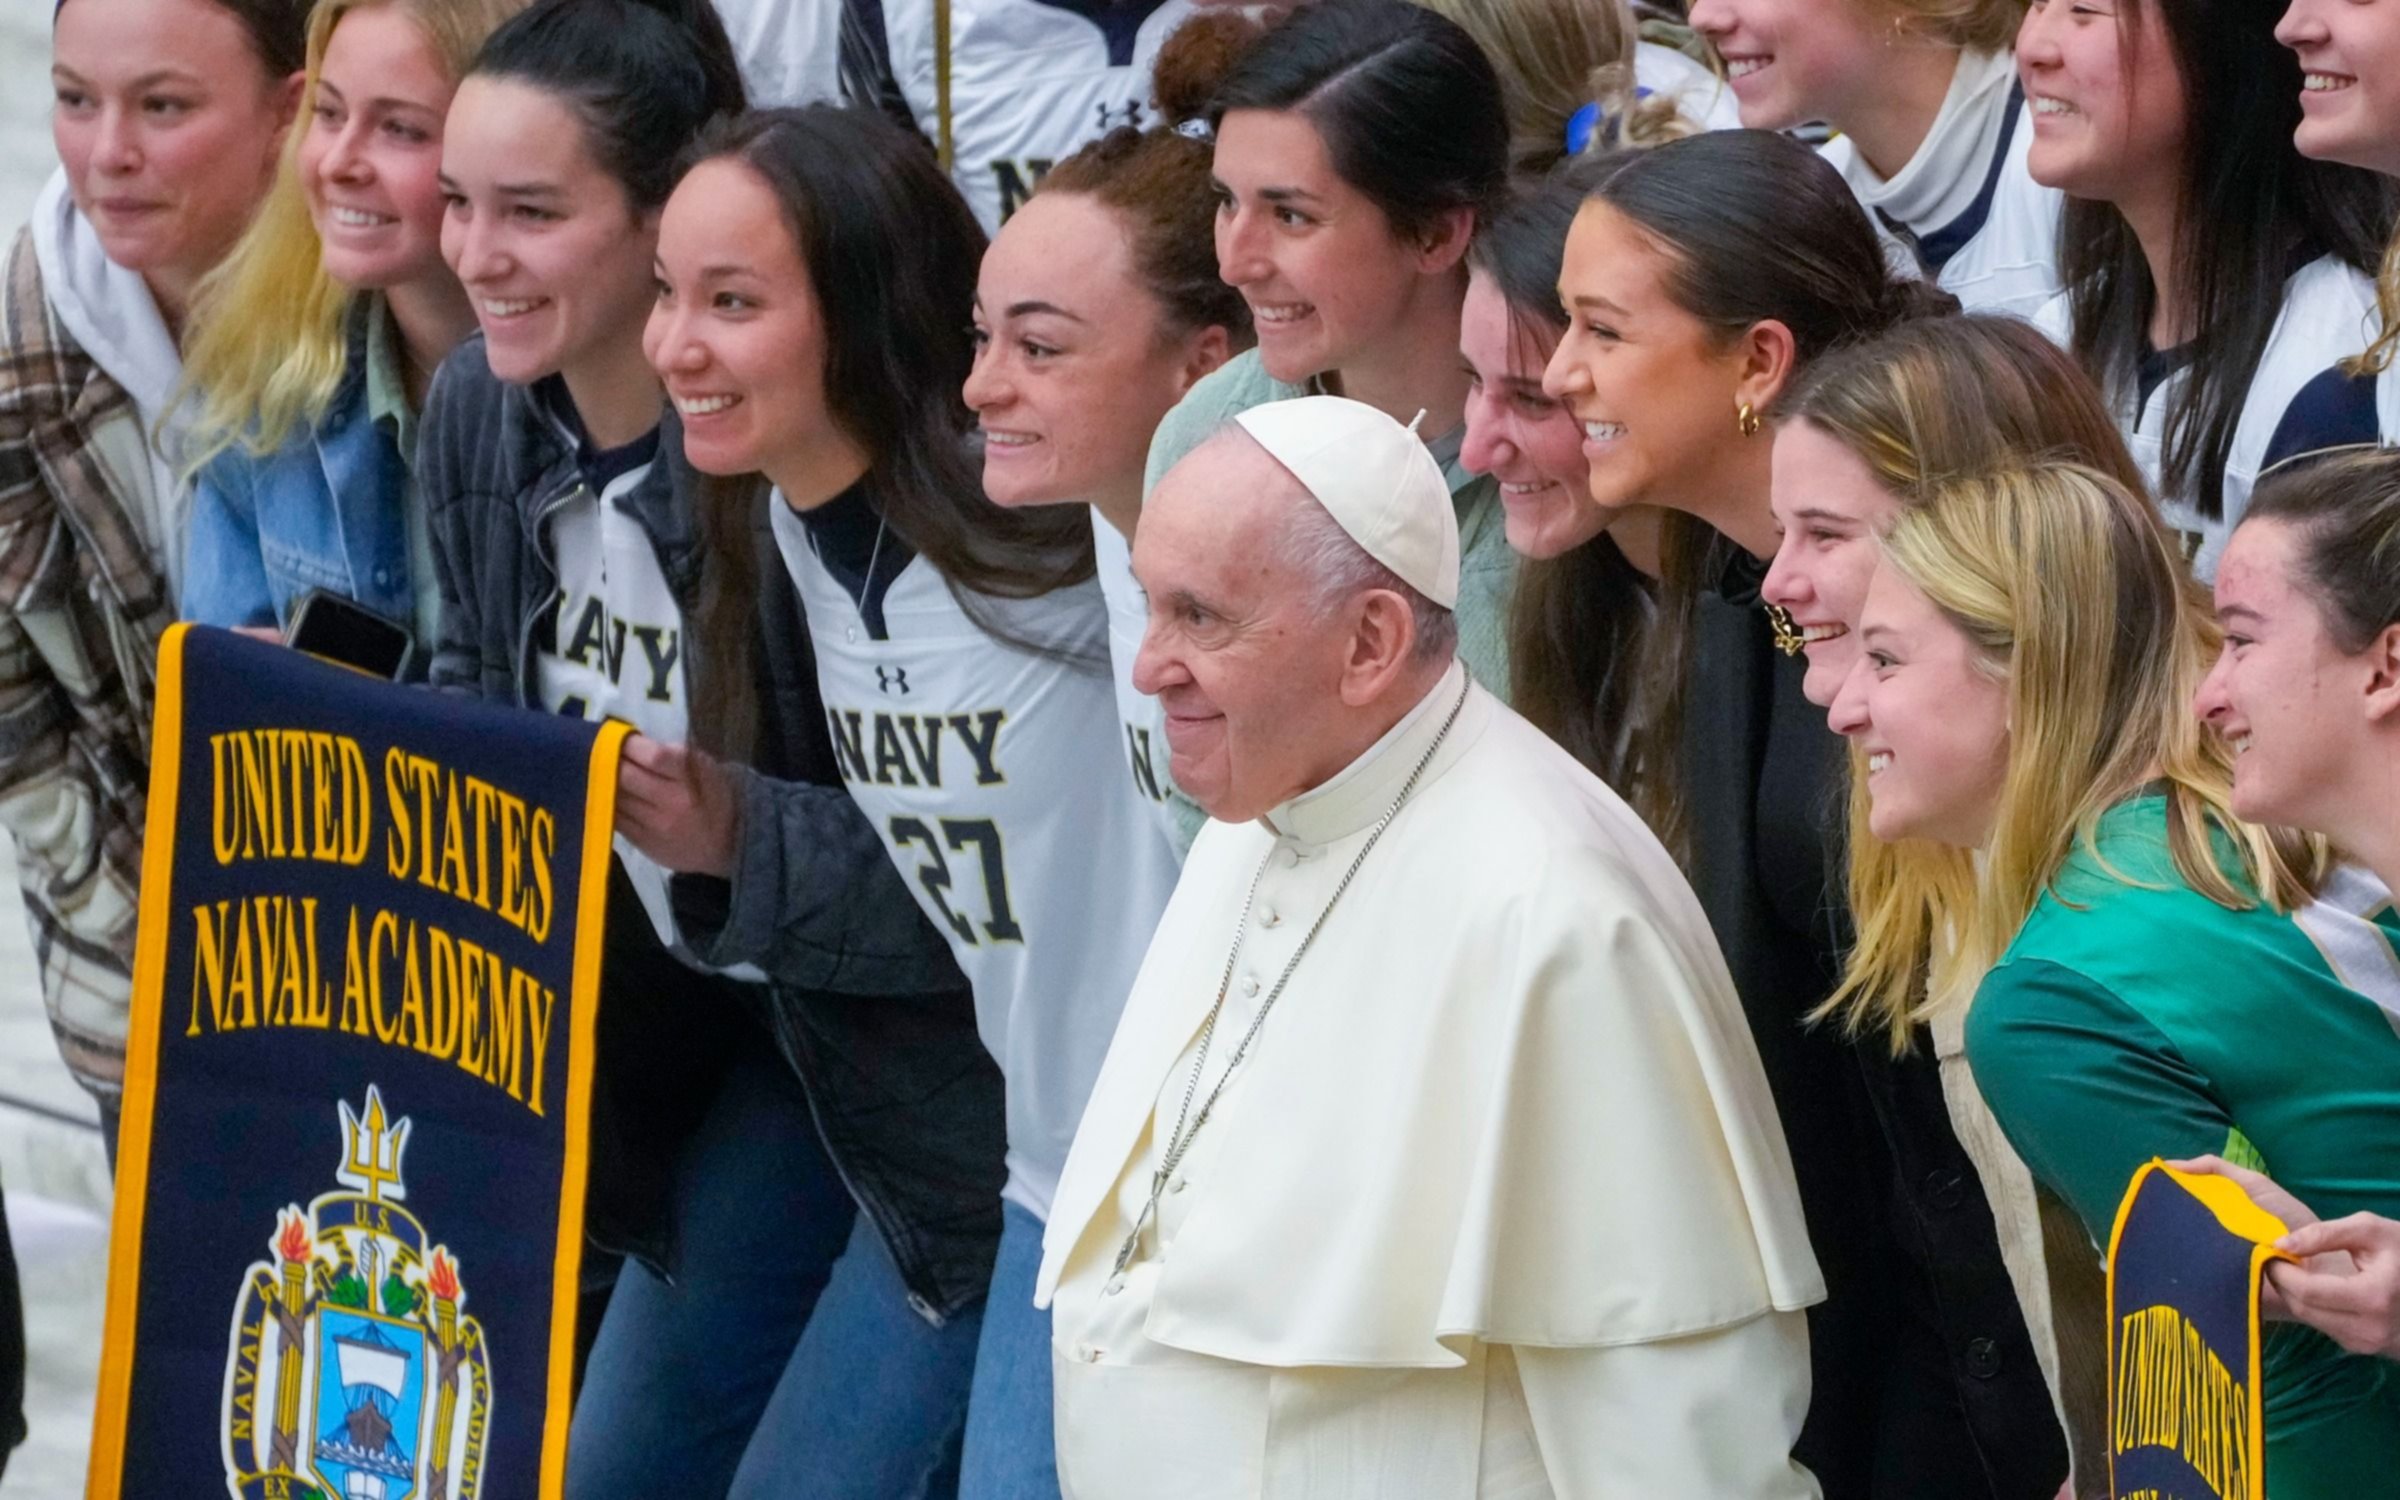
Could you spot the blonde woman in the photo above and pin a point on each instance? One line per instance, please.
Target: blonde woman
(1932, 127)
(2029, 649)
(314, 343)
(1864, 433)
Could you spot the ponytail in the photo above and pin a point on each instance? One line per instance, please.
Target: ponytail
(1761, 228)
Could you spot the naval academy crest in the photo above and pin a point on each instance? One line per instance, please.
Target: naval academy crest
(353, 1374)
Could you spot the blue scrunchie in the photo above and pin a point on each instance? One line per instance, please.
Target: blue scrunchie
(1584, 122)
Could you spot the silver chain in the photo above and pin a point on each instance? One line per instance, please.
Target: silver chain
(1187, 1126)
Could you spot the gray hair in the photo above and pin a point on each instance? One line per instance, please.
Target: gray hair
(1339, 570)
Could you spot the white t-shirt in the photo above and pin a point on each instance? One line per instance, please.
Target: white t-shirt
(996, 779)
(1142, 720)
(618, 648)
(2328, 315)
(1965, 208)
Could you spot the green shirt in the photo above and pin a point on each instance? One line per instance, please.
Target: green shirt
(2133, 1017)
(388, 408)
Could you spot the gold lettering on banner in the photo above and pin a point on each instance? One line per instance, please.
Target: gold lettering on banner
(2172, 1391)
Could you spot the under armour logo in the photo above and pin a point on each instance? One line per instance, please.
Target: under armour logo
(1130, 110)
(888, 678)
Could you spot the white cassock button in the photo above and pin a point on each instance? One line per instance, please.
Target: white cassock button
(1270, 918)
(850, 634)
(1087, 1354)
(1178, 1185)
(1249, 984)
(1115, 1285)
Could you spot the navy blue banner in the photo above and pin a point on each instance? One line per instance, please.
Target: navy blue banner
(350, 1181)
(2185, 1412)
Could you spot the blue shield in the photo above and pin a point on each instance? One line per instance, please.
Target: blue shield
(367, 1411)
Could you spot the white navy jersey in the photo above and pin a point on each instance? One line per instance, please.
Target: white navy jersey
(614, 644)
(997, 781)
(2328, 315)
(1139, 715)
(1965, 210)
(1031, 81)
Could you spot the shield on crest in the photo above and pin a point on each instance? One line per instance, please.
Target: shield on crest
(368, 1406)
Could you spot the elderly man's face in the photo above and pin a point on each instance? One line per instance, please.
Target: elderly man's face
(1236, 653)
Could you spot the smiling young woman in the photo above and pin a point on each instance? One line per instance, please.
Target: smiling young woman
(2350, 112)
(313, 345)
(1931, 129)
(2210, 271)
(1682, 335)
(1358, 144)
(1097, 309)
(2115, 888)
(815, 273)
(168, 118)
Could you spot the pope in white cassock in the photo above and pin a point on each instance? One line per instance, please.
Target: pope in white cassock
(1431, 1157)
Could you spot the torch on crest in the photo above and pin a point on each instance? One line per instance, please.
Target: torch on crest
(352, 1370)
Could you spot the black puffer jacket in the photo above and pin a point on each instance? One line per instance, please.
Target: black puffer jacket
(863, 997)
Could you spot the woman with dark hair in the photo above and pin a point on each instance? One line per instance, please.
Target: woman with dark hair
(1097, 309)
(1591, 661)
(2348, 115)
(1359, 143)
(2307, 690)
(814, 276)
(574, 574)
(2210, 271)
(1684, 332)
(2115, 893)
(168, 120)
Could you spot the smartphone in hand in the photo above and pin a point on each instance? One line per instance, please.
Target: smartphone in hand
(343, 630)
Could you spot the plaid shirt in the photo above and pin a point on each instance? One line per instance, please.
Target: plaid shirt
(83, 602)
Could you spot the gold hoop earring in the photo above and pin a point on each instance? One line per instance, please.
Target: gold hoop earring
(1746, 417)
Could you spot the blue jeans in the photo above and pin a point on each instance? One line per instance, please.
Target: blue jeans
(783, 1359)
(1011, 1453)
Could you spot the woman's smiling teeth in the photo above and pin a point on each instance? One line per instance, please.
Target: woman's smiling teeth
(359, 218)
(2045, 105)
(1743, 67)
(1601, 432)
(1877, 760)
(1534, 488)
(509, 307)
(997, 439)
(1818, 634)
(703, 406)
(2324, 83)
(2241, 744)
(1281, 312)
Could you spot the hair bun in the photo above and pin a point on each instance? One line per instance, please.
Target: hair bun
(1196, 58)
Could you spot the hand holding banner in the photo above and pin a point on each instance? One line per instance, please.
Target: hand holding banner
(2185, 1261)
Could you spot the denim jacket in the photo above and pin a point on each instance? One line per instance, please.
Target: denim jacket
(326, 510)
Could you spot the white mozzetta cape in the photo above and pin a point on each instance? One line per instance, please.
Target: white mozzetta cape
(1507, 1099)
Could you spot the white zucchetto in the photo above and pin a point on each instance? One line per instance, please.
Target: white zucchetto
(1376, 479)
